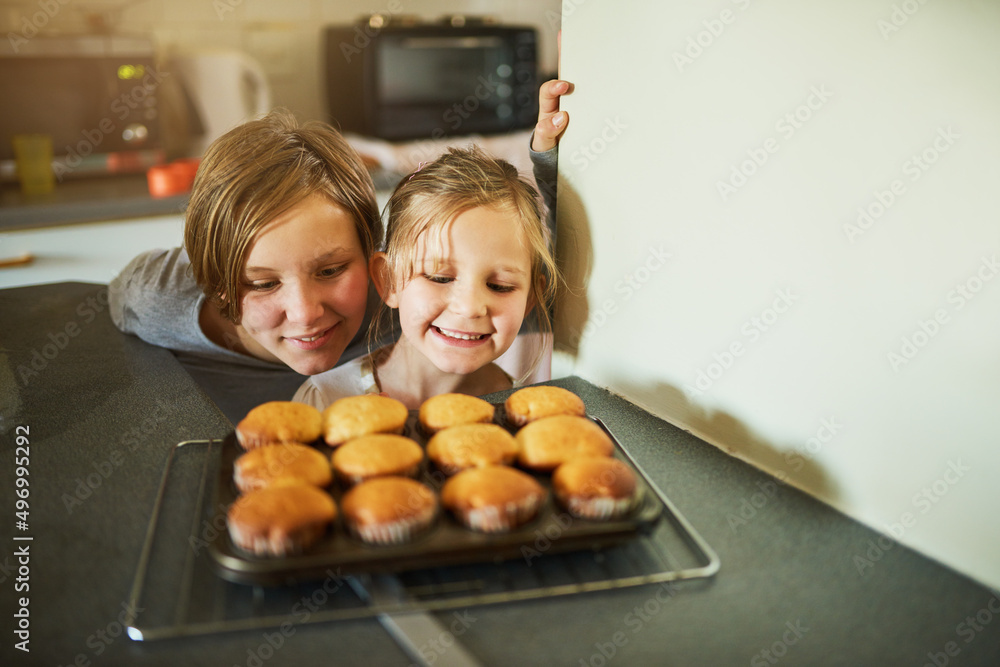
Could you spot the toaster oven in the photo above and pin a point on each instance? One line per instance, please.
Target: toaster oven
(430, 80)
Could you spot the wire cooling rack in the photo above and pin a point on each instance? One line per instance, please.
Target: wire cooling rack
(180, 594)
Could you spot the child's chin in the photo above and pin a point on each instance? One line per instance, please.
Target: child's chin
(313, 366)
(458, 368)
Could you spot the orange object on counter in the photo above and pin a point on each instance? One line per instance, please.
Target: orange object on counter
(174, 178)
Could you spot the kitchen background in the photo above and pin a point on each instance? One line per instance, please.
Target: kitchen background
(732, 284)
(285, 37)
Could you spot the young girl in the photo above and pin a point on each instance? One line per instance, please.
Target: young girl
(466, 259)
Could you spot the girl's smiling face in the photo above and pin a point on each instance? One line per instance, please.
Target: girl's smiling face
(469, 292)
(305, 287)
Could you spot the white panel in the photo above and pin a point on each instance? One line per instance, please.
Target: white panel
(823, 178)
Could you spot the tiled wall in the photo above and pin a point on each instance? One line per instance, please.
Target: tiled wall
(284, 37)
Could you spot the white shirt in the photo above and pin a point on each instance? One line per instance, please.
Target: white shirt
(354, 378)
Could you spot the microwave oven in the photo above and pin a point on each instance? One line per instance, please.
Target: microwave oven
(428, 80)
(96, 96)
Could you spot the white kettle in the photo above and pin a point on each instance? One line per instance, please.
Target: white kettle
(220, 89)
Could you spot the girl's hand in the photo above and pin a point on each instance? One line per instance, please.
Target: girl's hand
(551, 121)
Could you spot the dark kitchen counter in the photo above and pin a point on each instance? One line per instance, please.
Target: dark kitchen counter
(103, 410)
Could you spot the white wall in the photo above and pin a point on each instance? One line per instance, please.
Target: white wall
(857, 358)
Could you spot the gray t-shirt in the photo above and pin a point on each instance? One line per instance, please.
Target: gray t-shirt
(157, 299)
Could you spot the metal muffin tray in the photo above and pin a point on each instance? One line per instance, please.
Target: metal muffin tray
(446, 542)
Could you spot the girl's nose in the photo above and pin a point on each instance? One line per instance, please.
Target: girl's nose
(468, 301)
(302, 304)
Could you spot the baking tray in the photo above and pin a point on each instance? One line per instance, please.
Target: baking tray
(180, 594)
(446, 542)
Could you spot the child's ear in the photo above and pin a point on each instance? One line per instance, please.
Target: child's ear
(378, 270)
(530, 305)
(532, 301)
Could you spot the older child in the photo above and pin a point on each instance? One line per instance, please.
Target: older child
(273, 277)
(466, 259)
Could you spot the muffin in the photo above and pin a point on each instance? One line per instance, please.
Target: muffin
(281, 519)
(388, 510)
(471, 445)
(492, 499)
(547, 443)
(262, 466)
(278, 421)
(355, 416)
(444, 410)
(377, 455)
(531, 403)
(595, 487)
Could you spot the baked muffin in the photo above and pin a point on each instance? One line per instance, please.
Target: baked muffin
(531, 403)
(548, 442)
(471, 445)
(355, 416)
(388, 510)
(377, 455)
(446, 410)
(262, 466)
(278, 421)
(281, 519)
(493, 499)
(595, 487)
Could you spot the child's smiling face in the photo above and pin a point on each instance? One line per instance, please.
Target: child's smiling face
(469, 292)
(305, 286)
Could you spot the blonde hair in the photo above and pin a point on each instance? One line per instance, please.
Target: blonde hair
(460, 180)
(252, 174)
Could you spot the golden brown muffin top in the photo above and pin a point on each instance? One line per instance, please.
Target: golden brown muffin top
(376, 454)
(386, 500)
(264, 465)
(487, 486)
(444, 410)
(532, 403)
(470, 446)
(550, 441)
(278, 421)
(594, 477)
(282, 508)
(354, 416)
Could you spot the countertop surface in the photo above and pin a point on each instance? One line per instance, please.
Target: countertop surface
(92, 252)
(85, 200)
(799, 583)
